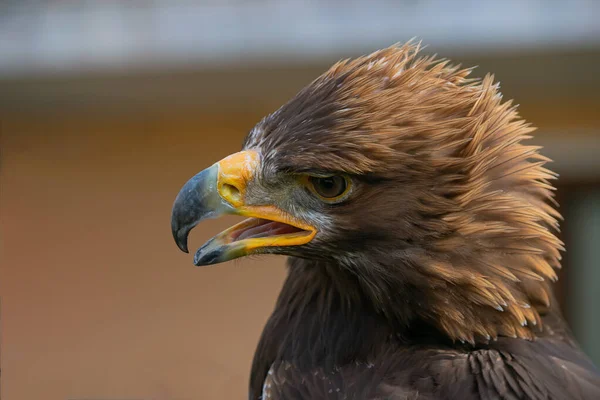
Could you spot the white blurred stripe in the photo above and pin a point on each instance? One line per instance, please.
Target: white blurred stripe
(78, 35)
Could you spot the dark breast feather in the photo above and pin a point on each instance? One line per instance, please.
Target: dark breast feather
(302, 355)
(508, 370)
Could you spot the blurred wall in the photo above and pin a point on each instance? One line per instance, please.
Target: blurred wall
(97, 301)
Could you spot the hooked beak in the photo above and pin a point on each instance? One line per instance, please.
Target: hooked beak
(221, 189)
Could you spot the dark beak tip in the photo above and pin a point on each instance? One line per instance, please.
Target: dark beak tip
(192, 205)
(181, 240)
(208, 254)
(181, 236)
(183, 247)
(194, 202)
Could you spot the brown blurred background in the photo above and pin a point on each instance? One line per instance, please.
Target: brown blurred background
(108, 107)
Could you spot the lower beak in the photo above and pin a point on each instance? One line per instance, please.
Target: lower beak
(221, 189)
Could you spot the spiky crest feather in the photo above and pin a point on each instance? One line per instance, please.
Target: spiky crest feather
(396, 115)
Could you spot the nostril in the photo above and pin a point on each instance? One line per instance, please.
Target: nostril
(231, 192)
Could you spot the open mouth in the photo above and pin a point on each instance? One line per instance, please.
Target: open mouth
(256, 228)
(253, 235)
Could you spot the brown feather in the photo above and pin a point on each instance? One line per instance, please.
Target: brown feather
(481, 196)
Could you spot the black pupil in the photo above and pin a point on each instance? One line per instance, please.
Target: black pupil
(329, 187)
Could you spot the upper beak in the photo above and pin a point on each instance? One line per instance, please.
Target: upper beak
(221, 189)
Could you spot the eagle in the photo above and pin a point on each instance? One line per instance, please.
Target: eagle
(420, 230)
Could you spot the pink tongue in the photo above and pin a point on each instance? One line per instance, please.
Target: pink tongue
(268, 228)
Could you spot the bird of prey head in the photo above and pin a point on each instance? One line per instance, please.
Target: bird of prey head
(408, 174)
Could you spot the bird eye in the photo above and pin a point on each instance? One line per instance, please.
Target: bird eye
(329, 188)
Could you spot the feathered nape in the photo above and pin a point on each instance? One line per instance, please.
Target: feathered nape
(489, 250)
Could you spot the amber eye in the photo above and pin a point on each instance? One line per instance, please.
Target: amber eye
(329, 188)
